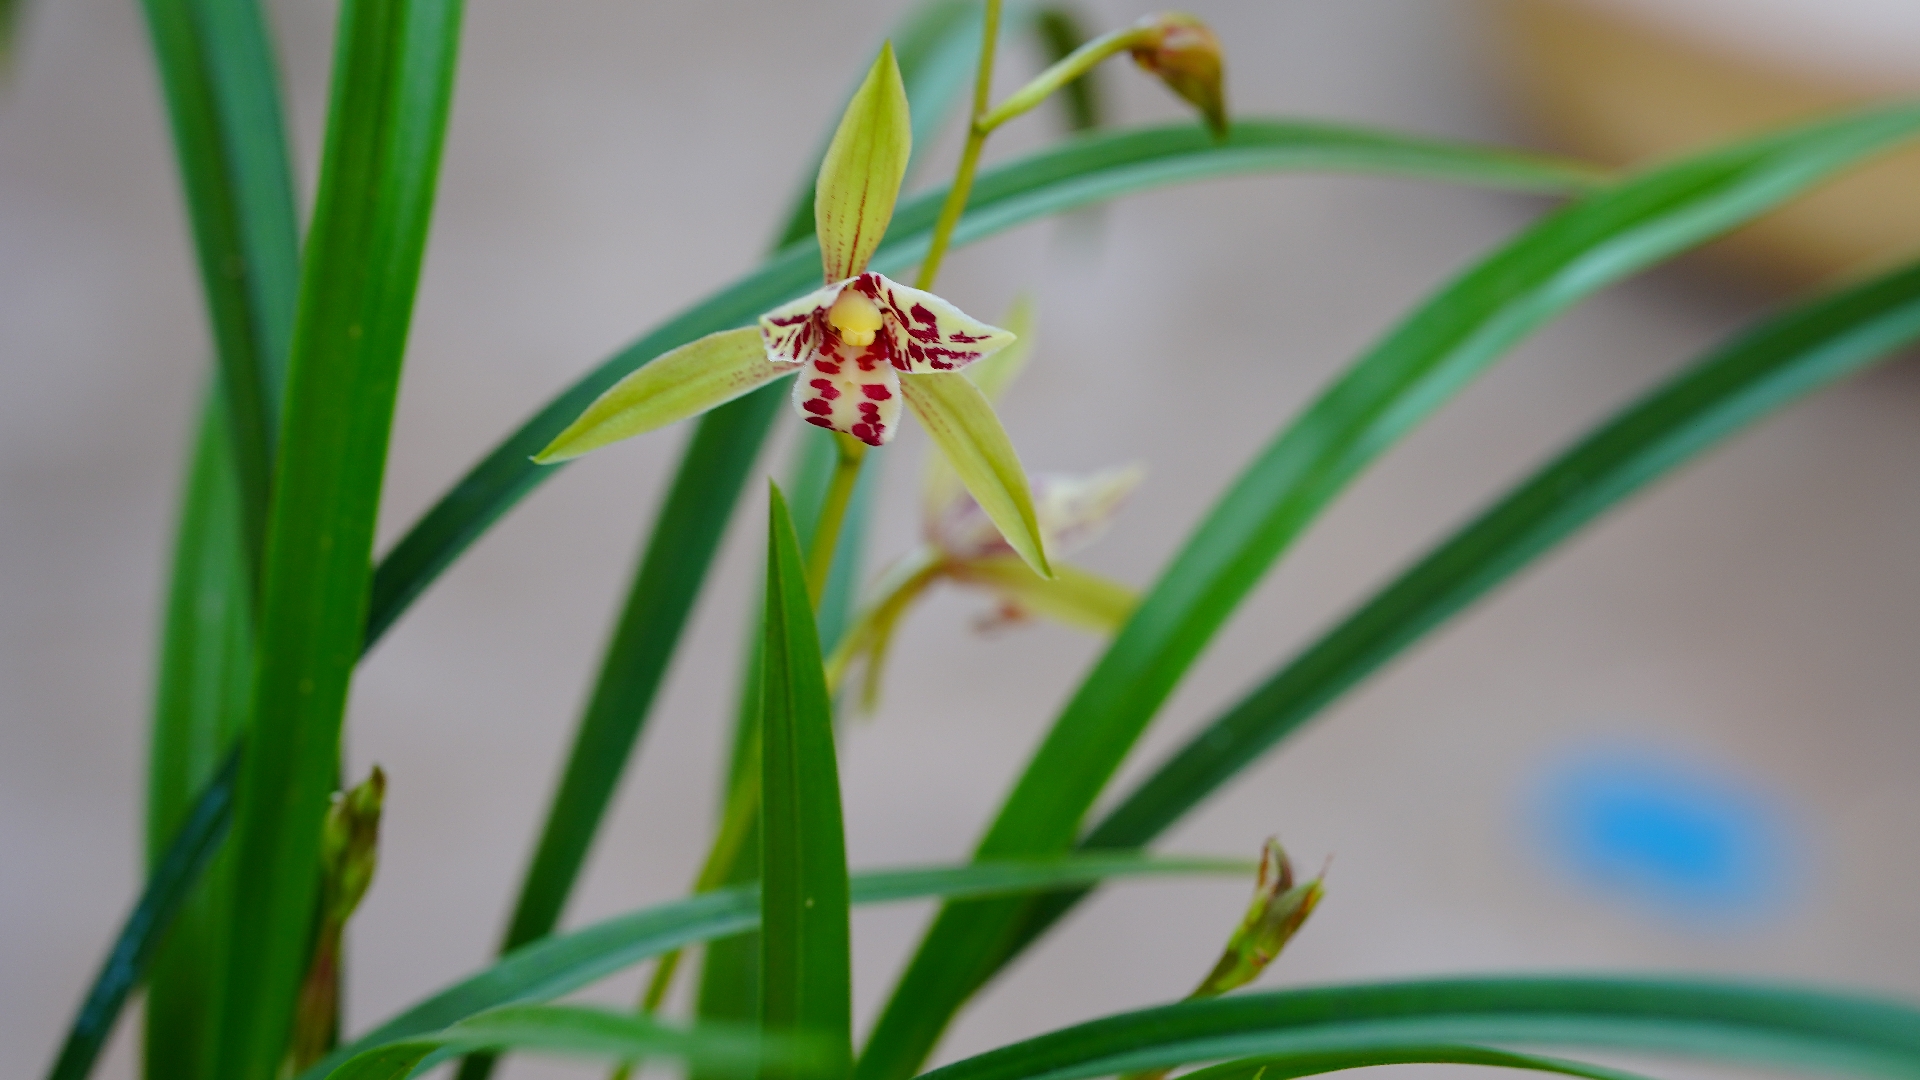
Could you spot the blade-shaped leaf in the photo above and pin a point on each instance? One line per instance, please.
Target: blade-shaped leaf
(392, 85)
(204, 689)
(1433, 352)
(579, 1031)
(221, 84)
(962, 423)
(1779, 1027)
(687, 381)
(861, 173)
(1315, 1063)
(567, 962)
(167, 886)
(805, 942)
(222, 87)
(1059, 31)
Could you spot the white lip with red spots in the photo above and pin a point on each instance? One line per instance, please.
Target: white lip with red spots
(852, 350)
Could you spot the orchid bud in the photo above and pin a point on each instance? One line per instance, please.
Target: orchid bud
(1186, 55)
(1279, 908)
(349, 844)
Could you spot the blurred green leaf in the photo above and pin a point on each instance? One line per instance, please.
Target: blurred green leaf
(204, 689)
(574, 1030)
(167, 886)
(1314, 1063)
(1433, 352)
(806, 960)
(566, 962)
(391, 90)
(222, 87)
(1776, 1027)
(1059, 31)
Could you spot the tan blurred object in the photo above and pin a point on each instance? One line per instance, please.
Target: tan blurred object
(1614, 87)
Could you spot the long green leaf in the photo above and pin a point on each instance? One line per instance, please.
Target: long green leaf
(1315, 1063)
(806, 959)
(204, 689)
(1779, 1027)
(1441, 346)
(724, 1051)
(393, 82)
(561, 964)
(1081, 172)
(167, 887)
(223, 95)
(1761, 370)
(221, 84)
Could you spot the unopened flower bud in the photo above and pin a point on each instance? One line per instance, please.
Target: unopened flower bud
(1279, 908)
(349, 844)
(1186, 55)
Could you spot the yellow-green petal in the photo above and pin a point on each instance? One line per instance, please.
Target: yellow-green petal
(688, 381)
(938, 485)
(1076, 597)
(860, 176)
(963, 425)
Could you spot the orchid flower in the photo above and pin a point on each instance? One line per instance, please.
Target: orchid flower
(961, 545)
(860, 346)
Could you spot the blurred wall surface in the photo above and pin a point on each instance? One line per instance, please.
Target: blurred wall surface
(1743, 635)
(1628, 81)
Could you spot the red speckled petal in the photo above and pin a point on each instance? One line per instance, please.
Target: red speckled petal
(851, 390)
(792, 331)
(929, 335)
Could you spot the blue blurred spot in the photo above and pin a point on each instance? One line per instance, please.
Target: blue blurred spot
(1672, 836)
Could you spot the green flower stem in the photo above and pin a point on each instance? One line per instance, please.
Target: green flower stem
(833, 512)
(1067, 69)
(956, 203)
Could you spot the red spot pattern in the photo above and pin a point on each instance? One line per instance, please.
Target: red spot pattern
(912, 338)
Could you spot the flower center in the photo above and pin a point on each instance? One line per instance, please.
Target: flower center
(855, 317)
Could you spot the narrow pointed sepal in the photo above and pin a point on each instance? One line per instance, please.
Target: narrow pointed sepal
(860, 176)
(688, 381)
(1076, 597)
(992, 374)
(963, 425)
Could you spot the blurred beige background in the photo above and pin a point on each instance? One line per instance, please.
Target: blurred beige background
(610, 162)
